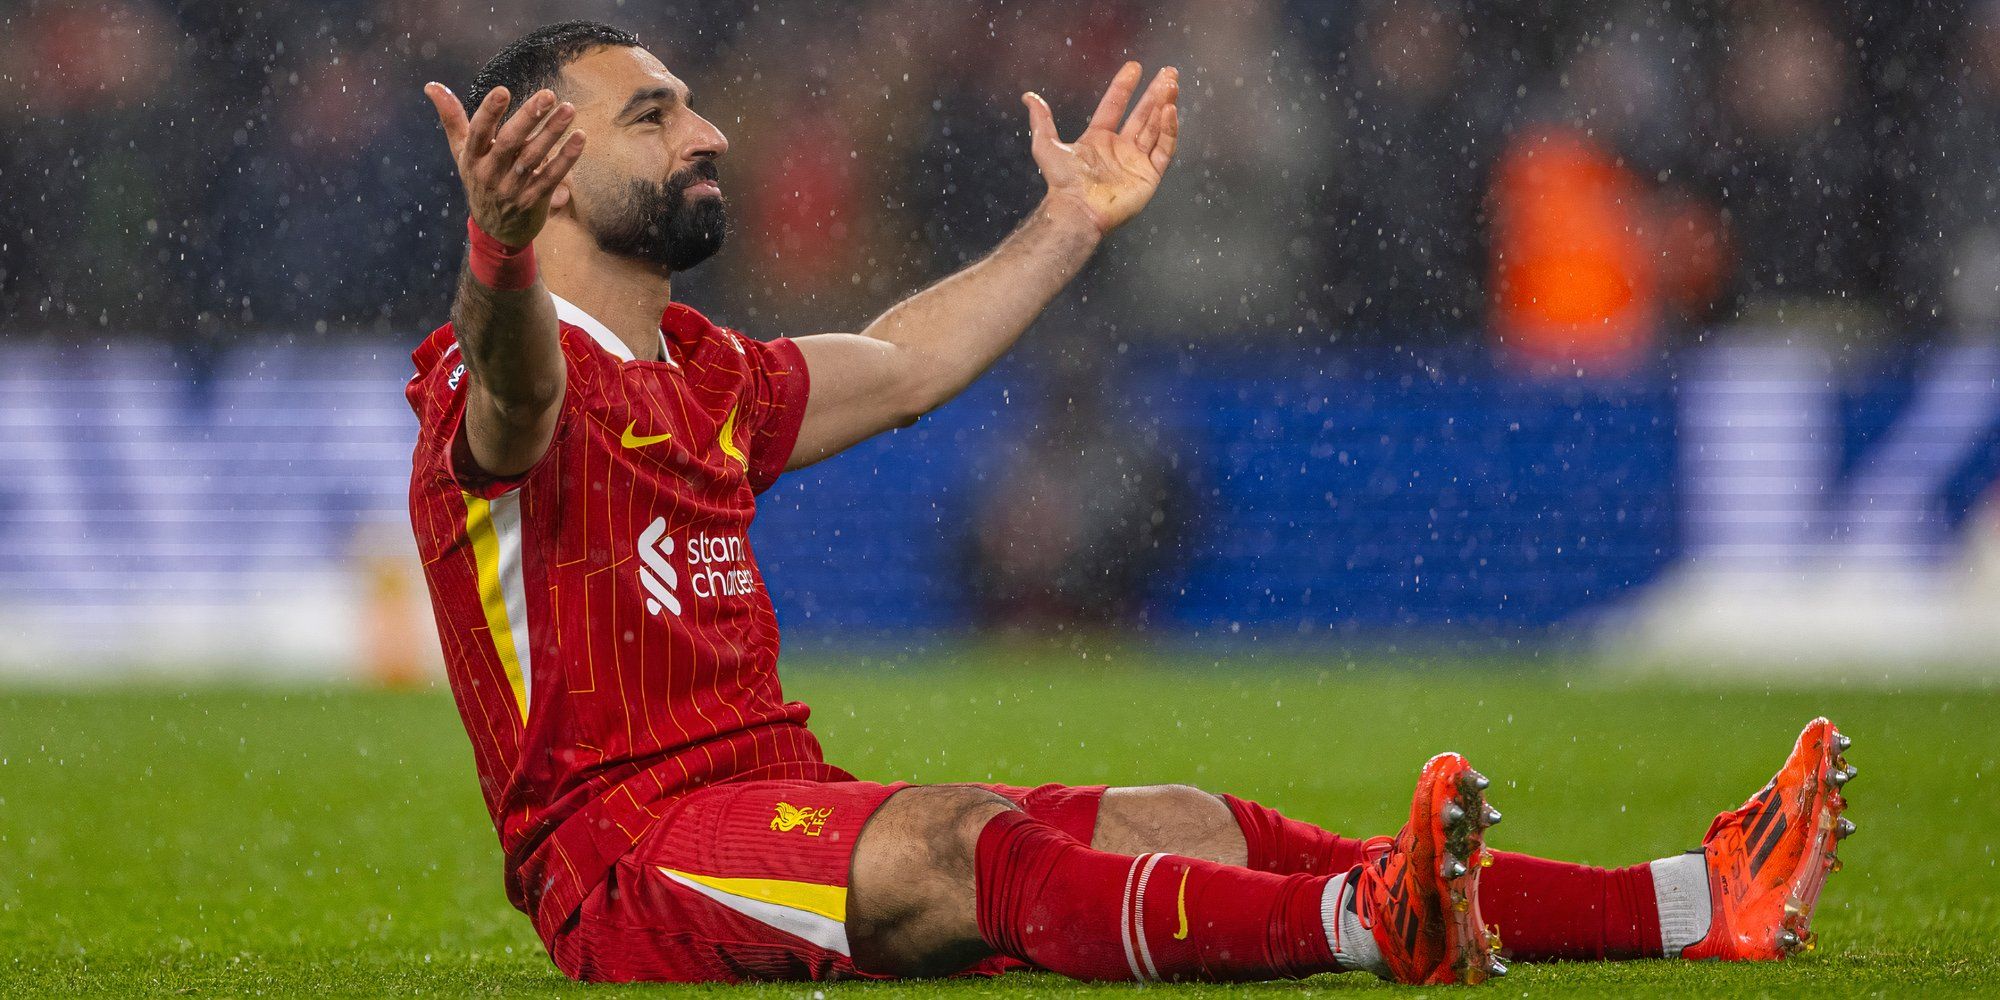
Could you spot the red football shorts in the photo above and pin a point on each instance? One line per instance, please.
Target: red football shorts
(748, 881)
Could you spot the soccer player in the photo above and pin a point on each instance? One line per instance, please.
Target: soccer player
(586, 471)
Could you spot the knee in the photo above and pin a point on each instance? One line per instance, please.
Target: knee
(946, 821)
(924, 831)
(911, 908)
(1160, 807)
(1177, 819)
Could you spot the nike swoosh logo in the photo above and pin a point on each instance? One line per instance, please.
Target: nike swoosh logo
(631, 440)
(1181, 904)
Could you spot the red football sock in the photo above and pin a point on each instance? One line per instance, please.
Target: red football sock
(1545, 909)
(1287, 846)
(1550, 909)
(1046, 899)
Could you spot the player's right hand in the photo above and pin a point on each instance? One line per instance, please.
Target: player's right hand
(510, 171)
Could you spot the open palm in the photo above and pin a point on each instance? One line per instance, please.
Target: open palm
(1111, 171)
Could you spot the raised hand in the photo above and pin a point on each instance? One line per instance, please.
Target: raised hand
(510, 171)
(1110, 172)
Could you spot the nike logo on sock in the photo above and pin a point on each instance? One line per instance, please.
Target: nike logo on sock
(1180, 904)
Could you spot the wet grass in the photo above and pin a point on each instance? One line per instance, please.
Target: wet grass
(233, 840)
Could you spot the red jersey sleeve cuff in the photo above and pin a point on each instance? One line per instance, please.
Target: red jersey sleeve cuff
(464, 470)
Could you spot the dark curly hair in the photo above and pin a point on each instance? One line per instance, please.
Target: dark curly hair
(536, 59)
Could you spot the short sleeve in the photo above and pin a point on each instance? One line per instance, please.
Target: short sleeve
(440, 397)
(778, 388)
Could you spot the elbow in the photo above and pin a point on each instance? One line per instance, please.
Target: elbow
(912, 408)
(914, 401)
(908, 385)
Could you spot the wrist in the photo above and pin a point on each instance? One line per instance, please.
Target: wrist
(1071, 215)
(497, 265)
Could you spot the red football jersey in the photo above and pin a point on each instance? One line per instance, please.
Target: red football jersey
(606, 630)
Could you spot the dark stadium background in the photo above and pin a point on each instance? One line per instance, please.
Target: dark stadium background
(1296, 402)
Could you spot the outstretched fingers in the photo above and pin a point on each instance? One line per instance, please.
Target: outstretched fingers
(518, 128)
(1111, 107)
(486, 121)
(451, 114)
(552, 172)
(1164, 88)
(547, 134)
(1041, 121)
(1170, 134)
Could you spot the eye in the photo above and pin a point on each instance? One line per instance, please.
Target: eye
(652, 116)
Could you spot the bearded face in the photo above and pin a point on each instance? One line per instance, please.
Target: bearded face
(658, 224)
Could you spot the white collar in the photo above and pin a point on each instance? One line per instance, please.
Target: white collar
(568, 312)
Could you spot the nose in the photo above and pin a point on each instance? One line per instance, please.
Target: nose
(709, 142)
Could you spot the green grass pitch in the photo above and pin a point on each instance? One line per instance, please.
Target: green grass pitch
(231, 840)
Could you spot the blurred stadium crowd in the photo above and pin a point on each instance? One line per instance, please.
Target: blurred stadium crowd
(1328, 382)
(1579, 181)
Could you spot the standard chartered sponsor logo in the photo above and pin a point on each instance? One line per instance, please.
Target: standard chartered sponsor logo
(717, 566)
(656, 574)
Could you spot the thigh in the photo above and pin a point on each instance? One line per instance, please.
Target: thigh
(738, 882)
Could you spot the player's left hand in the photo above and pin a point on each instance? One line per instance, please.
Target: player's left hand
(1111, 171)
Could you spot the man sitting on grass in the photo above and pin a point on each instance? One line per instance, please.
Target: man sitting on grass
(583, 485)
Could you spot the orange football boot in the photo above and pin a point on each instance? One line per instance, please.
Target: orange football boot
(1419, 891)
(1768, 860)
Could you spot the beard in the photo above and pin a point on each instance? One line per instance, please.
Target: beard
(656, 223)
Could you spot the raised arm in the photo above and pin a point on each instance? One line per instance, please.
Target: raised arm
(929, 347)
(503, 317)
